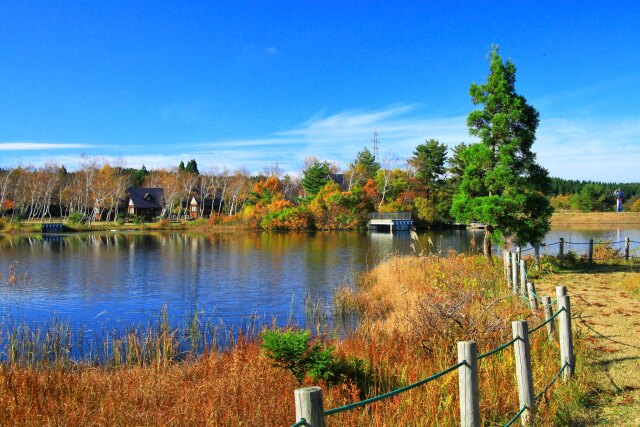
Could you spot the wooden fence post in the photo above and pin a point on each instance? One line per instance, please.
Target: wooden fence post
(533, 301)
(514, 272)
(566, 339)
(560, 291)
(536, 250)
(523, 277)
(627, 247)
(519, 252)
(523, 370)
(506, 257)
(468, 382)
(561, 251)
(548, 312)
(309, 406)
(590, 251)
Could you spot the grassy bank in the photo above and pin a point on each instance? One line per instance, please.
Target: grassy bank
(581, 219)
(606, 305)
(197, 225)
(413, 311)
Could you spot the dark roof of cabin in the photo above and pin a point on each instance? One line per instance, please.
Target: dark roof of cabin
(146, 198)
(209, 202)
(338, 178)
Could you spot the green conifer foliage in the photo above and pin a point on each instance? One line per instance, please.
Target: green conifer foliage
(502, 185)
(315, 177)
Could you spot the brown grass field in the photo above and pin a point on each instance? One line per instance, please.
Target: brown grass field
(605, 302)
(413, 310)
(580, 219)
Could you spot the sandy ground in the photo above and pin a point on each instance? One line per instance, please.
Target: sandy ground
(606, 307)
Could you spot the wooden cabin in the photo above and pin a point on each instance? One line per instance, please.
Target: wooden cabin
(145, 202)
(204, 206)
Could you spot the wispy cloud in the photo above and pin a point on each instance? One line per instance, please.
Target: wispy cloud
(602, 150)
(30, 146)
(579, 148)
(271, 50)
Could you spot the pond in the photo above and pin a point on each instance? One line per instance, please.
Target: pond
(128, 278)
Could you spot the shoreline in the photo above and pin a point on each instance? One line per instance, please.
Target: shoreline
(559, 220)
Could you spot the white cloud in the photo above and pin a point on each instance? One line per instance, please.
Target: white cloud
(271, 50)
(30, 146)
(600, 150)
(604, 150)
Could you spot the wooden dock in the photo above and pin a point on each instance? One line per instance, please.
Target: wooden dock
(390, 221)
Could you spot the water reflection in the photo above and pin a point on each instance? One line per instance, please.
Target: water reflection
(127, 278)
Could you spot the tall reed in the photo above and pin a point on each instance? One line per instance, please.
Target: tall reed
(411, 311)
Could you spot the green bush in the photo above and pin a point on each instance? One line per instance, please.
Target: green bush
(77, 218)
(138, 220)
(292, 350)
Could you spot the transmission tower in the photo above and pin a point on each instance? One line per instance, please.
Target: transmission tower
(374, 141)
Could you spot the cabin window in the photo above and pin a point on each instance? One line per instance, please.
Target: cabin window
(132, 210)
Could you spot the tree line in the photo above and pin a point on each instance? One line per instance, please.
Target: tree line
(424, 185)
(593, 196)
(495, 181)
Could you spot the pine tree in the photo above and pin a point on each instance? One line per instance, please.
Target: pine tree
(315, 177)
(192, 167)
(503, 186)
(368, 162)
(429, 161)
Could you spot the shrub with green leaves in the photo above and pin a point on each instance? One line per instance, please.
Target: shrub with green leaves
(293, 350)
(76, 218)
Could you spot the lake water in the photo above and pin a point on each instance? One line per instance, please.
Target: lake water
(125, 278)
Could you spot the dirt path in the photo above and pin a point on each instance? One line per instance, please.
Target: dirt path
(606, 307)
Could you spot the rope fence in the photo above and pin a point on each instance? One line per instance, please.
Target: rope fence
(309, 400)
(549, 320)
(393, 392)
(497, 350)
(596, 251)
(516, 416)
(553, 380)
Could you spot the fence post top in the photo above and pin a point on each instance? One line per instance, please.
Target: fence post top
(308, 389)
(519, 322)
(464, 343)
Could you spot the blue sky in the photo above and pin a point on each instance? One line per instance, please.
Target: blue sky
(253, 83)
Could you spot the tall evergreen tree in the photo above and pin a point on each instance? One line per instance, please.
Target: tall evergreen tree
(429, 161)
(315, 177)
(181, 167)
(503, 186)
(192, 167)
(456, 165)
(368, 162)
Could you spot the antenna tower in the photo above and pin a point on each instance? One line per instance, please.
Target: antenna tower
(375, 144)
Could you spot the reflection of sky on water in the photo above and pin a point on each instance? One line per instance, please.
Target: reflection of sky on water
(123, 278)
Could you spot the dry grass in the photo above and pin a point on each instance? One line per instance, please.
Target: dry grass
(236, 387)
(413, 311)
(596, 219)
(606, 306)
